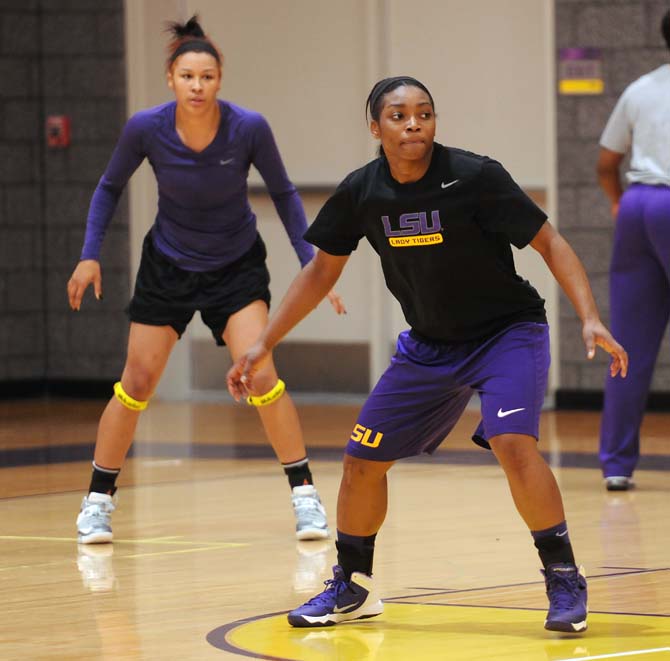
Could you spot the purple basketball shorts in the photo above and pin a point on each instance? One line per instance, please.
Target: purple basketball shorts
(425, 389)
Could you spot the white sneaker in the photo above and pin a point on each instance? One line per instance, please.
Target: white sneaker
(94, 523)
(309, 513)
(618, 483)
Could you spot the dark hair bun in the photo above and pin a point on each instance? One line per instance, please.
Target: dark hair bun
(189, 29)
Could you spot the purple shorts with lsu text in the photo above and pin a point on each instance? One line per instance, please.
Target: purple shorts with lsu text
(425, 389)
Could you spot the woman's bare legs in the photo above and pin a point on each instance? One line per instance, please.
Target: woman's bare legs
(533, 485)
(149, 348)
(280, 421)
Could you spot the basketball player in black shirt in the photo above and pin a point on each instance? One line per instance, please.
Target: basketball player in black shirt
(442, 221)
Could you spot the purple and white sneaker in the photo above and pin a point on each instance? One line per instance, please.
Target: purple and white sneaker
(341, 601)
(566, 589)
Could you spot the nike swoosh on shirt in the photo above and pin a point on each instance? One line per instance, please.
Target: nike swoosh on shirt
(230, 160)
(451, 183)
(561, 534)
(504, 414)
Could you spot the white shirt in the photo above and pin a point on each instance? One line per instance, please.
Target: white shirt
(641, 120)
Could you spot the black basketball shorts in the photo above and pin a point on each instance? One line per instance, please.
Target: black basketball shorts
(166, 295)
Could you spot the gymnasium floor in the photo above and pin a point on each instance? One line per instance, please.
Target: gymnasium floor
(205, 564)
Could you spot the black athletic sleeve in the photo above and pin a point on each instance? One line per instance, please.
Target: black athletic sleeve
(336, 229)
(504, 208)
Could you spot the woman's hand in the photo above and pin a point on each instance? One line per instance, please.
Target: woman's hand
(86, 272)
(337, 302)
(240, 377)
(595, 334)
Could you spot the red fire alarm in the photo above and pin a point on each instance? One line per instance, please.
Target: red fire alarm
(58, 131)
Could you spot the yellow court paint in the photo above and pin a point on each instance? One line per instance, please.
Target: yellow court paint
(418, 632)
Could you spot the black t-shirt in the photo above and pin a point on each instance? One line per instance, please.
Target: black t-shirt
(444, 241)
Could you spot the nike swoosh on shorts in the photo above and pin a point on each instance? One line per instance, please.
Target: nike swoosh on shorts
(504, 414)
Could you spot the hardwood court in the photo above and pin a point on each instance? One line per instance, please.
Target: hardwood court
(204, 562)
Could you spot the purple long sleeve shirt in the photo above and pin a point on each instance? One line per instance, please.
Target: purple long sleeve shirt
(204, 220)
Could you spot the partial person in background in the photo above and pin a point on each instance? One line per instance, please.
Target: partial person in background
(442, 221)
(203, 253)
(640, 268)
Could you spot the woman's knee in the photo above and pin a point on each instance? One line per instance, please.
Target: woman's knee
(139, 381)
(356, 470)
(264, 380)
(514, 451)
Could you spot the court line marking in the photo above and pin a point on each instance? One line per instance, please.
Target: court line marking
(434, 592)
(161, 541)
(513, 608)
(167, 541)
(184, 451)
(617, 655)
(150, 555)
(37, 566)
(116, 557)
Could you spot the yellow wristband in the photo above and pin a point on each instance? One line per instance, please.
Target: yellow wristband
(269, 397)
(127, 400)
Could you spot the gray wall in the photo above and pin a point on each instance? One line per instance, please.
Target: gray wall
(58, 57)
(628, 33)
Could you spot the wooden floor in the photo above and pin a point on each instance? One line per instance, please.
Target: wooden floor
(204, 562)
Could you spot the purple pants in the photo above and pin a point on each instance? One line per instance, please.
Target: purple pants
(639, 309)
(424, 391)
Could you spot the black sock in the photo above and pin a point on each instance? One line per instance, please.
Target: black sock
(553, 545)
(103, 479)
(355, 553)
(298, 473)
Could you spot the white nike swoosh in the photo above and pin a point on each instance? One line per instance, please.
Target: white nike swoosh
(504, 414)
(451, 183)
(346, 609)
(560, 534)
(230, 160)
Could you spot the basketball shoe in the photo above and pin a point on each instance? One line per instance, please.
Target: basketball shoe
(618, 483)
(566, 589)
(310, 516)
(95, 518)
(341, 601)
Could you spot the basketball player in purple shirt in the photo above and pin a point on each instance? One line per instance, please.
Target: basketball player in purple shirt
(442, 221)
(203, 253)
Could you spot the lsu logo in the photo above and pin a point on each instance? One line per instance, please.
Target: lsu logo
(362, 435)
(414, 229)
